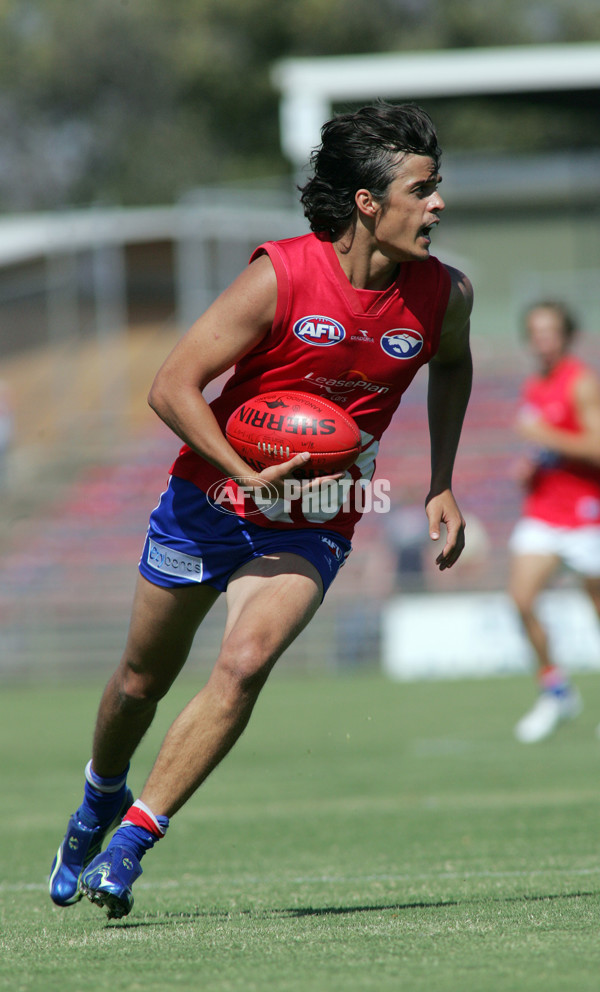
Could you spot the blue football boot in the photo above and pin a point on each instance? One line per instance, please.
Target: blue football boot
(108, 879)
(80, 845)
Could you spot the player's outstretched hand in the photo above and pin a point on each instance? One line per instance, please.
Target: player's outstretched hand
(443, 509)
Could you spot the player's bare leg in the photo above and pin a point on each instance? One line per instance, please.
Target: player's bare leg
(162, 628)
(269, 600)
(529, 574)
(558, 700)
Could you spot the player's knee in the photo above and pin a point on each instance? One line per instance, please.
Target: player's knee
(244, 668)
(522, 600)
(525, 611)
(137, 687)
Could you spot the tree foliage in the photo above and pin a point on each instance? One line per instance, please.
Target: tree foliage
(136, 101)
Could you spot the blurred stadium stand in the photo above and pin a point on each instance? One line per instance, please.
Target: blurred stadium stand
(91, 303)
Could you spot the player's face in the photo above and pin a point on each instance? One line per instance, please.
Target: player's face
(404, 221)
(546, 335)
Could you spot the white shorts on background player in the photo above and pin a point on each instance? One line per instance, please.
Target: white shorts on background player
(577, 547)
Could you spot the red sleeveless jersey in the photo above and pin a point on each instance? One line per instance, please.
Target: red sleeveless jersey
(564, 491)
(359, 348)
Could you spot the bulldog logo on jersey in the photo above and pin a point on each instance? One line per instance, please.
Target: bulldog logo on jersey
(319, 330)
(402, 342)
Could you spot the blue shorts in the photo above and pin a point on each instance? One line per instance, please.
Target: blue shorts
(191, 541)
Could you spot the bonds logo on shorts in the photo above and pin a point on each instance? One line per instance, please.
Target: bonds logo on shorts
(170, 562)
(319, 330)
(402, 342)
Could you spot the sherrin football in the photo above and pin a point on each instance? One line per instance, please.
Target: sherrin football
(273, 427)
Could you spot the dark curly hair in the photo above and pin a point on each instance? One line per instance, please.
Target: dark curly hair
(359, 150)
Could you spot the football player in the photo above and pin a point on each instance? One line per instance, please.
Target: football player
(360, 291)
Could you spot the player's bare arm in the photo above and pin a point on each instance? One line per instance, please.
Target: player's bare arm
(235, 323)
(585, 445)
(450, 377)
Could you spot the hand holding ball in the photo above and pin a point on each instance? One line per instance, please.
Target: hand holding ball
(273, 427)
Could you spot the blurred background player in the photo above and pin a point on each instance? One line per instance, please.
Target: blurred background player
(560, 525)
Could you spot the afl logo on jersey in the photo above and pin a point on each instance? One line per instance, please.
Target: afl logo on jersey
(402, 343)
(322, 331)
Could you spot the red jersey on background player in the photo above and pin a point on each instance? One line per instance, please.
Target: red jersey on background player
(355, 308)
(560, 417)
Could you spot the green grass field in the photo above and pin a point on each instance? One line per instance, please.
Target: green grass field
(362, 836)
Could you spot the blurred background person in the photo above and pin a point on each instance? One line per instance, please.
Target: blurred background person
(559, 419)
